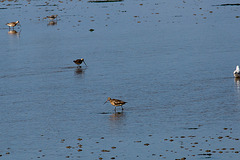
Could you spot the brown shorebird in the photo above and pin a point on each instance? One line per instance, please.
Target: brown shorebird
(79, 61)
(12, 24)
(116, 102)
(52, 17)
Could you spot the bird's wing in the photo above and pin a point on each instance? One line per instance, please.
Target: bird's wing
(119, 102)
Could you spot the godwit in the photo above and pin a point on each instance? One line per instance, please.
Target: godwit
(52, 17)
(12, 24)
(79, 61)
(236, 73)
(116, 102)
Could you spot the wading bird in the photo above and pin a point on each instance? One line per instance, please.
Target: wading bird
(79, 61)
(116, 102)
(236, 73)
(52, 17)
(12, 24)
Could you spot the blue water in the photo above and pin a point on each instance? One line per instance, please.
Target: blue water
(171, 61)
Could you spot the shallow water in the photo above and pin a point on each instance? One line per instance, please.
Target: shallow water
(171, 61)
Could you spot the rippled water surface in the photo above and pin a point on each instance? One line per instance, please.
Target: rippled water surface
(172, 61)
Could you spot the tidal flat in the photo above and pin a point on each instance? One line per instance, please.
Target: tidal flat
(171, 61)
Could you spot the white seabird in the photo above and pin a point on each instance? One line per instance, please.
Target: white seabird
(236, 73)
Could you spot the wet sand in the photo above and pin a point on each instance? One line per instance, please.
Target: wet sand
(172, 62)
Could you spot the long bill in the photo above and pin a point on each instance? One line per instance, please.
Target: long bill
(105, 102)
(84, 63)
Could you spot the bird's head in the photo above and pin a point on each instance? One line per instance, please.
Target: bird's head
(18, 23)
(83, 61)
(237, 68)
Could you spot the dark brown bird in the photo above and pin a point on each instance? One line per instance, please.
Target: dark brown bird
(116, 102)
(52, 17)
(79, 61)
(12, 24)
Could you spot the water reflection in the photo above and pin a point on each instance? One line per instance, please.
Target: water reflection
(117, 116)
(79, 71)
(237, 84)
(52, 23)
(14, 32)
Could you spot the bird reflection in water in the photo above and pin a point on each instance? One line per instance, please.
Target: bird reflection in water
(53, 20)
(116, 116)
(237, 86)
(52, 23)
(79, 71)
(237, 83)
(14, 32)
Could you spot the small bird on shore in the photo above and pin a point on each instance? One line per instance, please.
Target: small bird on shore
(79, 61)
(52, 17)
(12, 24)
(236, 73)
(116, 102)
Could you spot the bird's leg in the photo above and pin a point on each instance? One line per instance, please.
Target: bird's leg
(115, 109)
(122, 108)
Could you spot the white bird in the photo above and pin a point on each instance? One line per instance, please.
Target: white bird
(236, 73)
